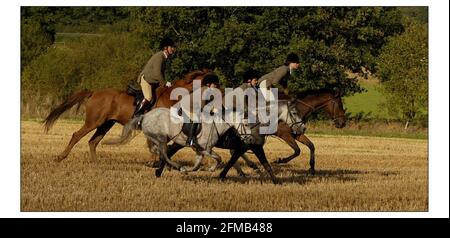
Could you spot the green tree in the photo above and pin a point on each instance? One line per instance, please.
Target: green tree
(418, 14)
(107, 61)
(37, 33)
(403, 70)
(329, 40)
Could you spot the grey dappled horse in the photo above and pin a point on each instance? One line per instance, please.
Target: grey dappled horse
(287, 113)
(159, 127)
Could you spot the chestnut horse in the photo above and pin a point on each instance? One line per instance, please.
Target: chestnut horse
(307, 103)
(106, 107)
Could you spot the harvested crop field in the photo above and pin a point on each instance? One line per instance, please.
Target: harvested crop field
(354, 173)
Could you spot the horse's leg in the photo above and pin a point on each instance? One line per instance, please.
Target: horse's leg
(290, 140)
(98, 136)
(238, 167)
(199, 158)
(304, 140)
(247, 161)
(171, 150)
(154, 162)
(162, 146)
(220, 163)
(218, 160)
(285, 133)
(234, 157)
(87, 127)
(259, 152)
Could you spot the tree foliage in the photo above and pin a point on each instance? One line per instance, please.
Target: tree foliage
(329, 41)
(89, 63)
(417, 14)
(403, 70)
(233, 39)
(37, 33)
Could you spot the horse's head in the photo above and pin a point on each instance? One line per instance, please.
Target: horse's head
(295, 118)
(331, 101)
(288, 113)
(335, 110)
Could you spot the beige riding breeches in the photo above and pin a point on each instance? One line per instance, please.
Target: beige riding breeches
(146, 89)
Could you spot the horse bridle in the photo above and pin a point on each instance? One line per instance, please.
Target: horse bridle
(289, 114)
(333, 100)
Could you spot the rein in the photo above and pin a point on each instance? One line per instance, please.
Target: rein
(333, 99)
(289, 114)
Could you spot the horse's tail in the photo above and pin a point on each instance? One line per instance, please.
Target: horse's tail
(74, 99)
(128, 132)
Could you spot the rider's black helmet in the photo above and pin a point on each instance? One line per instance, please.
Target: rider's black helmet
(211, 78)
(250, 74)
(167, 41)
(292, 58)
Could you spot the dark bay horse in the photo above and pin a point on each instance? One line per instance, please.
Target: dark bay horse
(307, 103)
(103, 108)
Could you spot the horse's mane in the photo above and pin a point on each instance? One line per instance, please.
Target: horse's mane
(183, 82)
(189, 77)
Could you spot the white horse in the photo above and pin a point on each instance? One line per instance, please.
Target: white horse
(287, 113)
(160, 128)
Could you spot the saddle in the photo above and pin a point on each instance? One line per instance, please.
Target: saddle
(138, 96)
(136, 93)
(187, 126)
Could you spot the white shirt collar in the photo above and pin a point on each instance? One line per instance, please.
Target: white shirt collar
(165, 54)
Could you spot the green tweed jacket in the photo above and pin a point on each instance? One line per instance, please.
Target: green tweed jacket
(275, 76)
(154, 69)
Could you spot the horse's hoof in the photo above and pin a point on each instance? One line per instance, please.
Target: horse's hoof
(158, 173)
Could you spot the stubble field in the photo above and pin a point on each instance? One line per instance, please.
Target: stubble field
(354, 173)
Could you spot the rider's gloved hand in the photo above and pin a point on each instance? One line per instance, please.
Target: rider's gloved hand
(168, 84)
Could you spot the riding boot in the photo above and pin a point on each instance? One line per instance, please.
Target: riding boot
(192, 139)
(140, 109)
